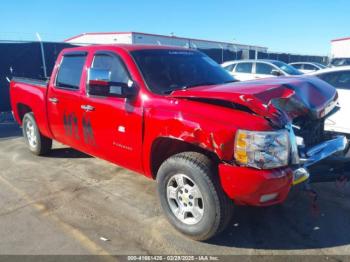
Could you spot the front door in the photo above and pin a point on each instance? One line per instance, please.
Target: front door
(112, 126)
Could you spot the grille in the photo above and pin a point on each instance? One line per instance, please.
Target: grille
(311, 130)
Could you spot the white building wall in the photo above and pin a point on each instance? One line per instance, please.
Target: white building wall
(140, 38)
(159, 40)
(340, 48)
(125, 38)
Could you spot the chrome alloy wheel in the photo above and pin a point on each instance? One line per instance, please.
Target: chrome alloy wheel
(185, 199)
(31, 136)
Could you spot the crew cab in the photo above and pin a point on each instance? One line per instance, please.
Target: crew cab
(174, 115)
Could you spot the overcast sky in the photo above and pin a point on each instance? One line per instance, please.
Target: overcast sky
(296, 26)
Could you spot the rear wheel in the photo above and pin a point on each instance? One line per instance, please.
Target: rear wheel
(191, 196)
(36, 142)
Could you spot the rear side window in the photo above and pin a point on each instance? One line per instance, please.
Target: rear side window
(244, 68)
(69, 73)
(264, 69)
(338, 79)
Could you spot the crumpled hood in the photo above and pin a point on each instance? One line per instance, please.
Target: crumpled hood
(280, 99)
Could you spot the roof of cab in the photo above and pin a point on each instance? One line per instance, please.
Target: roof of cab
(127, 47)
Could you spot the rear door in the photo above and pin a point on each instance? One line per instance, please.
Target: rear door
(64, 100)
(339, 122)
(243, 71)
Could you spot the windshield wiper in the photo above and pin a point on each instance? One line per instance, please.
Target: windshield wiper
(170, 90)
(199, 84)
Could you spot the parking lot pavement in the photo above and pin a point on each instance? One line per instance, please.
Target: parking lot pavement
(71, 203)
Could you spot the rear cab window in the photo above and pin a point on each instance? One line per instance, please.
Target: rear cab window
(244, 68)
(70, 71)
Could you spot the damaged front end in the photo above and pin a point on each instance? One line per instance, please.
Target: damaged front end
(304, 112)
(299, 105)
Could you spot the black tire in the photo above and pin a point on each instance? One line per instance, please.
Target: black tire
(43, 144)
(217, 207)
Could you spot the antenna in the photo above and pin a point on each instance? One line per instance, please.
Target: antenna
(42, 54)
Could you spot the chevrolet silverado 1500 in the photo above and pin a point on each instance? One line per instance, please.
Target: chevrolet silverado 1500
(176, 116)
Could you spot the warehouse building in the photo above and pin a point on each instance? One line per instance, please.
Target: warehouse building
(340, 48)
(219, 51)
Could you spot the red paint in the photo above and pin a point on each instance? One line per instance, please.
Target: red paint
(125, 131)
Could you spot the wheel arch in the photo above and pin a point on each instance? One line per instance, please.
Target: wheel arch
(22, 109)
(165, 147)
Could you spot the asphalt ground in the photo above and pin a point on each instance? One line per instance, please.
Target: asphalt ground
(71, 203)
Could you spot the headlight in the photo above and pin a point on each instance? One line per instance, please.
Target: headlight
(263, 150)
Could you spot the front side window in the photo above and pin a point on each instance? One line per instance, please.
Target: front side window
(113, 64)
(338, 79)
(167, 70)
(244, 68)
(264, 69)
(70, 72)
(290, 70)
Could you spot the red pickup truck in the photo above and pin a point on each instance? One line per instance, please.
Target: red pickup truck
(176, 116)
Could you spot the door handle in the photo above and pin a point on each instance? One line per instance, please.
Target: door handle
(53, 100)
(87, 108)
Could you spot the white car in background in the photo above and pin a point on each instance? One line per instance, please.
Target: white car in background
(243, 70)
(307, 67)
(339, 77)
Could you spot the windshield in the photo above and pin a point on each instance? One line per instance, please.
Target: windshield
(290, 70)
(167, 70)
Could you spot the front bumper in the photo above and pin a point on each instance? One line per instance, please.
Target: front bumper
(255, 187)
(247, 185)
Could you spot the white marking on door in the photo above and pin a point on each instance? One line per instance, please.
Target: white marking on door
(121, 129)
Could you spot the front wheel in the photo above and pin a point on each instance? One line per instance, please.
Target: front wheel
(36, 142)
(191, 196)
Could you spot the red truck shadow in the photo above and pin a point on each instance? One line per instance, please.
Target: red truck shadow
(67, 153)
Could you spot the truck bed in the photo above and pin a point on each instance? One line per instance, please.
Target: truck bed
(31, 81)
(29, 95)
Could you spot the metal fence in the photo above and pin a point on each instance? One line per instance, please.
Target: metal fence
(289, 58)
(25, 59)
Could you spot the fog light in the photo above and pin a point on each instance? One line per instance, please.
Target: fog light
(268, 197)
(300, 175)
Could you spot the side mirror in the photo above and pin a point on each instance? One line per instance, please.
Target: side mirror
(99, 84)
(276, 72)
